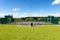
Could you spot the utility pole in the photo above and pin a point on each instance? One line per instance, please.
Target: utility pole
(30, 11)
(31, 23)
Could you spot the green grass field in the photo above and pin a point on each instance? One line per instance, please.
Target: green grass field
(15, 32)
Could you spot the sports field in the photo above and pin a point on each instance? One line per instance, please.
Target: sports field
(16, 32)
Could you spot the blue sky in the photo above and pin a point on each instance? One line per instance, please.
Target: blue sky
(22, 8)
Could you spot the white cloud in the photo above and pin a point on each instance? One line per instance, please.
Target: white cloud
(35, 15)
(16, 9)
(55, 14)
(3, 14)
(56, 2)
(17, 15)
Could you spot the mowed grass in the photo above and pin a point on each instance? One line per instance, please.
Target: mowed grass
(16, 32)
